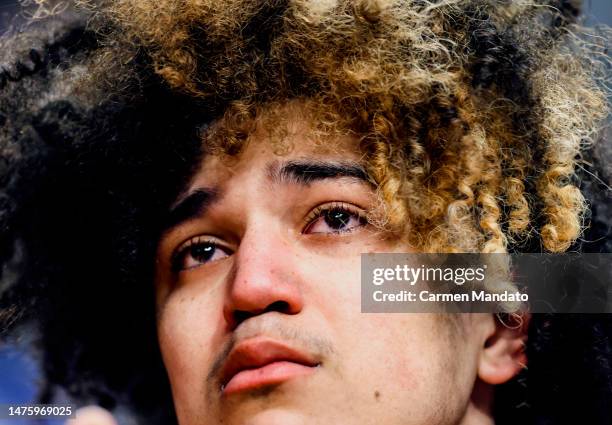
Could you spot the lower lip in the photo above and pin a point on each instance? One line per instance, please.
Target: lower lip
(271, 374)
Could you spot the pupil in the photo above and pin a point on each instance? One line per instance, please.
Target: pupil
(337, 219)
(202, 252)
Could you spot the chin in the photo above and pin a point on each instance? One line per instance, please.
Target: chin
(274, 417)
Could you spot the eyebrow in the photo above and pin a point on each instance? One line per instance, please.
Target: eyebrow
(189, 207)
(300, 172)
(304, 172)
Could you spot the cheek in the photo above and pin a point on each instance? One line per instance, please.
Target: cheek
(380, 341)
(403, 353)
(404, 364)
(395, 359)
(335, 284)
(186, 332)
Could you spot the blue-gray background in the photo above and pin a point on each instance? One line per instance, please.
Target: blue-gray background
(18, 371)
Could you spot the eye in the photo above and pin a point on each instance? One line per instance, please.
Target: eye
(336, 217)
(196, 252)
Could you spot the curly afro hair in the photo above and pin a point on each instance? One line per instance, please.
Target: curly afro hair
(477, 119)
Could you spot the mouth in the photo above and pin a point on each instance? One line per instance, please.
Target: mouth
(260, 362)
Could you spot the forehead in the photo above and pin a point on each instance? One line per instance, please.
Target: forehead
(284, 133)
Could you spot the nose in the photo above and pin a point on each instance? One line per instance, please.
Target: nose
(264, 279)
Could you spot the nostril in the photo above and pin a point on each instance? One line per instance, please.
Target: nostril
(240, 316)
(279, 306)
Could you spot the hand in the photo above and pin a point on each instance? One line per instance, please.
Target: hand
(92, 415)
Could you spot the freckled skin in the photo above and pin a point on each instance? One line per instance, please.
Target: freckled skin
(416, 360)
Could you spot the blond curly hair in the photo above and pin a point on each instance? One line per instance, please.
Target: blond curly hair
(471, 113)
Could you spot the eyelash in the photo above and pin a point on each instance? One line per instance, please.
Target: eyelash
(319, 212)
(178, 257)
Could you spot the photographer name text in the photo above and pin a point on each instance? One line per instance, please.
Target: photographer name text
(428, 296)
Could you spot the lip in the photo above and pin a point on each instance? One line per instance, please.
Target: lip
(260, 362)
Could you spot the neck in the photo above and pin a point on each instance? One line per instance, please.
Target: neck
(480, 408)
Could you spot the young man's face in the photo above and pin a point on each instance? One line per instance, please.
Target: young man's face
(258, 293)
